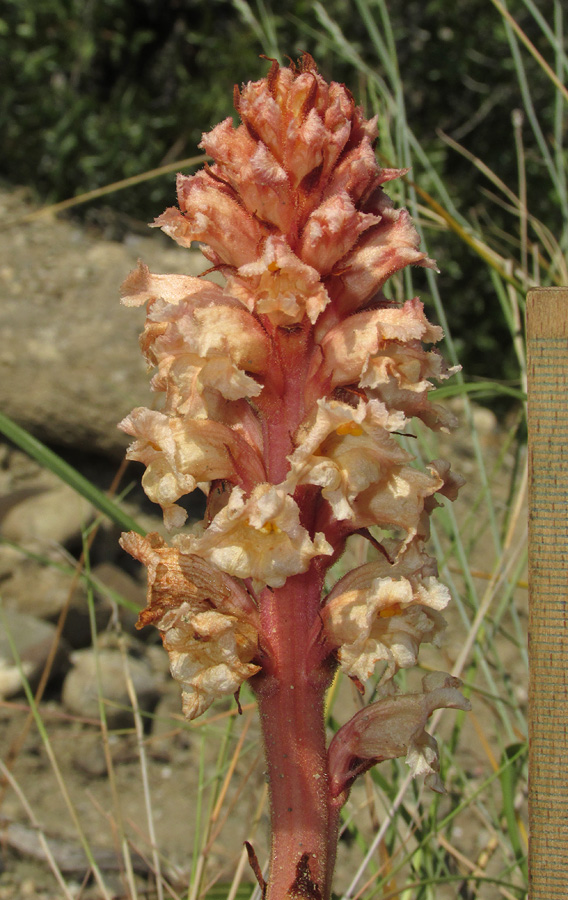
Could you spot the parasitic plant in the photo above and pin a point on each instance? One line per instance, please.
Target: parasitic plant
(283, 392)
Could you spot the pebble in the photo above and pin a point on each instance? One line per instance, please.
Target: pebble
(80, 691)
(51, 517)
(33, 640)
(89, 756)
(126, 588)
(169, 731)
(44, 591)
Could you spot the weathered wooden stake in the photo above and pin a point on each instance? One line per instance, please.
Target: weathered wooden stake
(547, 338)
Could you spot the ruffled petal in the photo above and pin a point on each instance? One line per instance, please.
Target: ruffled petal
(383, 250)
(180, 452)
(207, 620)
(258, 537)
(199, 340)
(346, 450)
(331, 231)
(383, 612)
(210, 213)
(252, 170)
(381, 351)
(399, 501)
(141, 286)
(280, 285)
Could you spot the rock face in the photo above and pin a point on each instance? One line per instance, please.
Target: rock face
(70, 367)
(43, 591)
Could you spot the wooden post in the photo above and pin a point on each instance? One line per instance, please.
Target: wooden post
(547, 339)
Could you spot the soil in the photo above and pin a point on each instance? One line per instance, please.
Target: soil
(177, 756)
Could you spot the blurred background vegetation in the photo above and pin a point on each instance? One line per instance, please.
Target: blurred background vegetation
(99, 90)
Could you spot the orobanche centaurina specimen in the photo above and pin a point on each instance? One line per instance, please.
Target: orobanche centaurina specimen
(283, 395)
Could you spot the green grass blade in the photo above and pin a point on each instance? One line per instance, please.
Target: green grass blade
(482, 388)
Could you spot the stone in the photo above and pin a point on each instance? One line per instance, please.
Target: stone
(89, 756)
(44, 590)
(115, 581)
(33, 640)
(49, 517)
(10, 559)
(80, 692)
(170, 730)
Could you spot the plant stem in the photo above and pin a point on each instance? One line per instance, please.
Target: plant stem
(291, 690)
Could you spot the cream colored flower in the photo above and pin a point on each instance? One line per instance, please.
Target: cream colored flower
(298, 371)
(399, 502)
(381, 351)
(346, 450)
(208, 655)
(280, 285)
(383, 612)
(207, 620)
(350, 345)
(141, 286)
(258, 537)
(199, 337)
(180, 452)
(394, 727)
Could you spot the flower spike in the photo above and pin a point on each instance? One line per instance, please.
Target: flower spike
(282, 396)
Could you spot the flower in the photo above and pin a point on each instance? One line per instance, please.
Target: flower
(180, 452)
(208, 621)
(381, 351)
(259, 537)
(383, 611)
(280, 285)
(394, 726)
(283, 394)
(345, 450)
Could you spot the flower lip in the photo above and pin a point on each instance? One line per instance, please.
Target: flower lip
(383, 612)
(258, 537)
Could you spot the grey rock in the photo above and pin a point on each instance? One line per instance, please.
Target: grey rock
(70, 365)
(170, 731)
(89, 757)
(47, 517)
(44, 591)
(33, 640)
(10, 559)
(80, 691)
